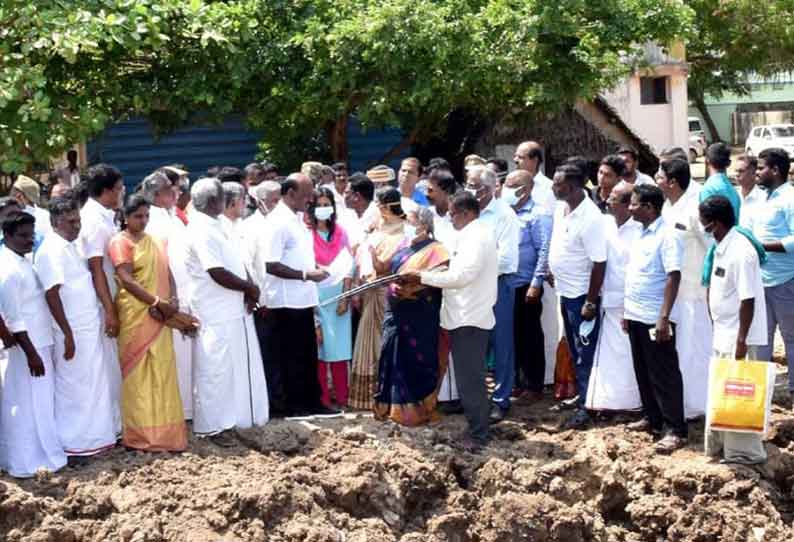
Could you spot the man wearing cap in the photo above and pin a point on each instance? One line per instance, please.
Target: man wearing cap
(27, 192)
(505, 227)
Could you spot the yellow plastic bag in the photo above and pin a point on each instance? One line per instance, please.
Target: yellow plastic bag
(740, 395)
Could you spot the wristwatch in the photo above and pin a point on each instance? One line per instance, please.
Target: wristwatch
(589, 305)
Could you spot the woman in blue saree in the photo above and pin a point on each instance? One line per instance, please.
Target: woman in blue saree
(408, 374)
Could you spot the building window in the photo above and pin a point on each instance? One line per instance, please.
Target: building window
(653, 90)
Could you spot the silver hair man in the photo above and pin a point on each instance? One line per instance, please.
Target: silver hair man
(207, 196)
(153, 184)
(265, 188)
(233, 191)
(487, 177)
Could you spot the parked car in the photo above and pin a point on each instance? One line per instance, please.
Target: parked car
(697, 139)
(772, 135)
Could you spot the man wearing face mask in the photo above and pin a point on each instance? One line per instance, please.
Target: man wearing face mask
(502, 220)
(693, 343)
(533, 259)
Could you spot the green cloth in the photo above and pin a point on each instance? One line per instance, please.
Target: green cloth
(708, 264)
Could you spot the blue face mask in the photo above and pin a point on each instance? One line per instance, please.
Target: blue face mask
(323, 213)
(585, 329)
(710, 240)
(510, 195)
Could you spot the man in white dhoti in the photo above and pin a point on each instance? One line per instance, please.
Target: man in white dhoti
(28, 438)
(613, 383)
(228, 378)
(98, 225)
(83, 403)
(693, 341)
(734, 281)
(162, 189)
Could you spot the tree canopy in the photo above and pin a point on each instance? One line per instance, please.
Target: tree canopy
(733, 39)
(298, 68)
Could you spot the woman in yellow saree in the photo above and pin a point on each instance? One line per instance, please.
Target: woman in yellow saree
(152, 415)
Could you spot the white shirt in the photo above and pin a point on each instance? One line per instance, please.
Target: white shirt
(642, 178)
(97, 229)
(750, 204)
(470, 283)
(23, 299)
(736, 276)
(42, 216)
(619, 242)
(542, 194)
(290, 243)
(208, 248)
(58, 263)
(443, 230)
(356, 226)
(233, 230)
(255, 233)
(577, 240)
(166, 226)
(683, 218)
(506, 229)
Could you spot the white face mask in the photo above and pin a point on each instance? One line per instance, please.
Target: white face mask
(323, 213)
(472, 191)
(510, 195)
(410, 232)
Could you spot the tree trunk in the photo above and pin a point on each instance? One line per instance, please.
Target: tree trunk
(700, 104)
(337, 139)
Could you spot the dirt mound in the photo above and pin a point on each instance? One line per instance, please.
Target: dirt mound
(357, 480)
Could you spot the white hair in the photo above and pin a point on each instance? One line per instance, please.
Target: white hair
(487, 177)
(425, 217)
(266, 188)
(153, 184)
(205, 192)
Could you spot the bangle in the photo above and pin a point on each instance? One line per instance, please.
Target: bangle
(156, 301)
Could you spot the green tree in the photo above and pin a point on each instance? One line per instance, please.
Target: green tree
(733, 39)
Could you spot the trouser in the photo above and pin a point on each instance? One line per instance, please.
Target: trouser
(293, 356)
(658, 378)
(338, 371)
(530, 354)
(581, 354)
(737, 447)
(469, 345)
(501, 341)
(273, 375)
(780, 312)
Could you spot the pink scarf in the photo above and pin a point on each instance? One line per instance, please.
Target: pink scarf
(325, 252)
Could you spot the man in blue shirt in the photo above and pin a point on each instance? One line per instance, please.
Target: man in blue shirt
(410, 170)
(772, 223)
(533, 261)
(718, 158)
(653, 275)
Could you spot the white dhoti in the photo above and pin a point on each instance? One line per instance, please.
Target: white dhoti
(693, 344)
(613, 383)
(28, 438)
(183, 353)
(114, 373)
(448, 390)
(228, 377)
(551, 322)
(83, 400)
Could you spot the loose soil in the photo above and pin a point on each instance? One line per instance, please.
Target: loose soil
(354, 479)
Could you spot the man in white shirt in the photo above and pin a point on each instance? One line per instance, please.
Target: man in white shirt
(27, 193)
(577, 258)
(529, 156)
(751, 194)
(613, 384)
(693, 341)
(291, 298)
(162, 191)
(469, 294)
(231, 220)
(735, 281)
(506, 228)
(228, 377)
(630, 173)
(362, 212)
(83, 403)
(28, 436)
(98, 225)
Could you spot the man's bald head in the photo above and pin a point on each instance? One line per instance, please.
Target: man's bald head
(529, 157)
(297, 191)
(623, 191)
(618, 201)
(519, 178)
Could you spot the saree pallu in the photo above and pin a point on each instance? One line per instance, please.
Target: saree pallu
(409, 372)
(151, 407)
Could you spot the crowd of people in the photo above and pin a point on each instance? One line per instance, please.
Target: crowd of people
(246, 295)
